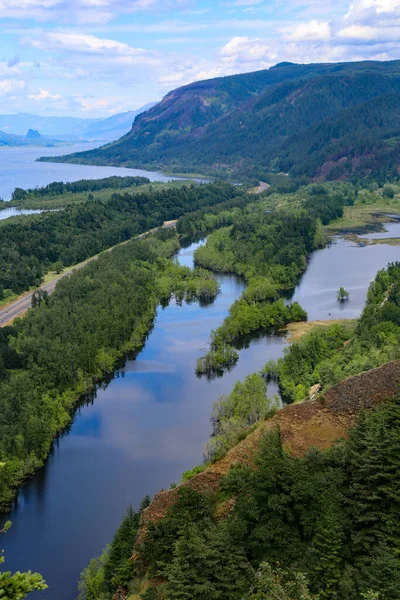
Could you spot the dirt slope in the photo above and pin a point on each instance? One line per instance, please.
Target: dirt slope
(317, 423)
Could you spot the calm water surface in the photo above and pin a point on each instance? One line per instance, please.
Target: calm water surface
(151, 422)
(18, 168)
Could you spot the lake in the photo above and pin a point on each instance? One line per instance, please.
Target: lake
(151, 422)
(18, 168)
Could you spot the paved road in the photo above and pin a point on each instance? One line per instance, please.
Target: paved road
(23, 303)
(263, 187)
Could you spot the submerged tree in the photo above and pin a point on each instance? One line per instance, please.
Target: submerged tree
(343, 295)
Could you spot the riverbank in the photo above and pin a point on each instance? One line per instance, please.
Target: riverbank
(149, 423)
(298, 330)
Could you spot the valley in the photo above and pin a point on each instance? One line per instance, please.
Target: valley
(199, 377)
(154, 400)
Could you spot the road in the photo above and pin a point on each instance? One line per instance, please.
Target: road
(263, 187)
(18, 308)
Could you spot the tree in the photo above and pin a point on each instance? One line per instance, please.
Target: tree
(58, 266)
(276, 583)
(207, 565)
(388, 191)
(343, 295)
(18, 585)
(118, 567)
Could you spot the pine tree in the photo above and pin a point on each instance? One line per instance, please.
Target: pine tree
(374, 495)
(208, 566)
(327, 546)
(118, 568)
(279, 584)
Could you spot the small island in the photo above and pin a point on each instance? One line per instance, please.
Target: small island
(343, 295)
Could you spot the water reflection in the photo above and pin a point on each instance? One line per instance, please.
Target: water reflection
(150, 423)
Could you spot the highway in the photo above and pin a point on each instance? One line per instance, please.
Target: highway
(19, 307)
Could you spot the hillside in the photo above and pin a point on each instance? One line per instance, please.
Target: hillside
(291, 493)
(315, 424)
(340, 119)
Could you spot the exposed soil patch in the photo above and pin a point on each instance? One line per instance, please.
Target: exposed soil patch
(317, 423)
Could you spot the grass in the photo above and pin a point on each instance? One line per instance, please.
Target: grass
(298, 330)
(10, 297)
(368, 216)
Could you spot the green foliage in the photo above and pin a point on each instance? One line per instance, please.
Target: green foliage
(323, 120)
(59, 188)
(323, 357)
(280, 584)
(242, 249)
(31, 245)
(206, 565)
(74, 337)
(325, 526)
(58, 266)
(388, 191)
(118, 568)
(186, 475)
(343, 295)
(156, 551)
(232, 415)
(18, 585)
(114, 569)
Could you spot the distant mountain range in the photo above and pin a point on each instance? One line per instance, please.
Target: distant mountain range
(319, 120)
(15, 127)
(9, 139)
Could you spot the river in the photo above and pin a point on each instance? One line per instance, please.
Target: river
(19, 168)
(150, 423)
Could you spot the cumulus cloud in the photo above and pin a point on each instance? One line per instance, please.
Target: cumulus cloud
(306, 32)
(249, 51)
(44, 95)
(76, 60)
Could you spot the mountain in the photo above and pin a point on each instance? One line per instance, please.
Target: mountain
(71, 128)
(33, 134)
(7, 139)
(319, 120)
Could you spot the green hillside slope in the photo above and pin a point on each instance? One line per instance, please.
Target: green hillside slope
(291, 117)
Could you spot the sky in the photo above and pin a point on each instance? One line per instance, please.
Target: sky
(95, 58)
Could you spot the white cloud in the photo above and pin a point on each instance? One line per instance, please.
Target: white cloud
(305, 32)
(84, 11)
(77, 46)
(44, 95)
(249, 51)
(8, 87)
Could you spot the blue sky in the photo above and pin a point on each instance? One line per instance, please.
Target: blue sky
(99, 57)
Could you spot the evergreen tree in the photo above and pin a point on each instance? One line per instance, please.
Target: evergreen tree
(118, 567)
(279, 584)
(327, 546)
(207, 565)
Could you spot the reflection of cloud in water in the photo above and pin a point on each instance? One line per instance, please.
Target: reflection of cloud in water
(151, 430)
(148, 366)
(193, 323)
(184, 346)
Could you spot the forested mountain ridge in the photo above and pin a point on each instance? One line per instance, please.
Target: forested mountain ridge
(268, 119)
